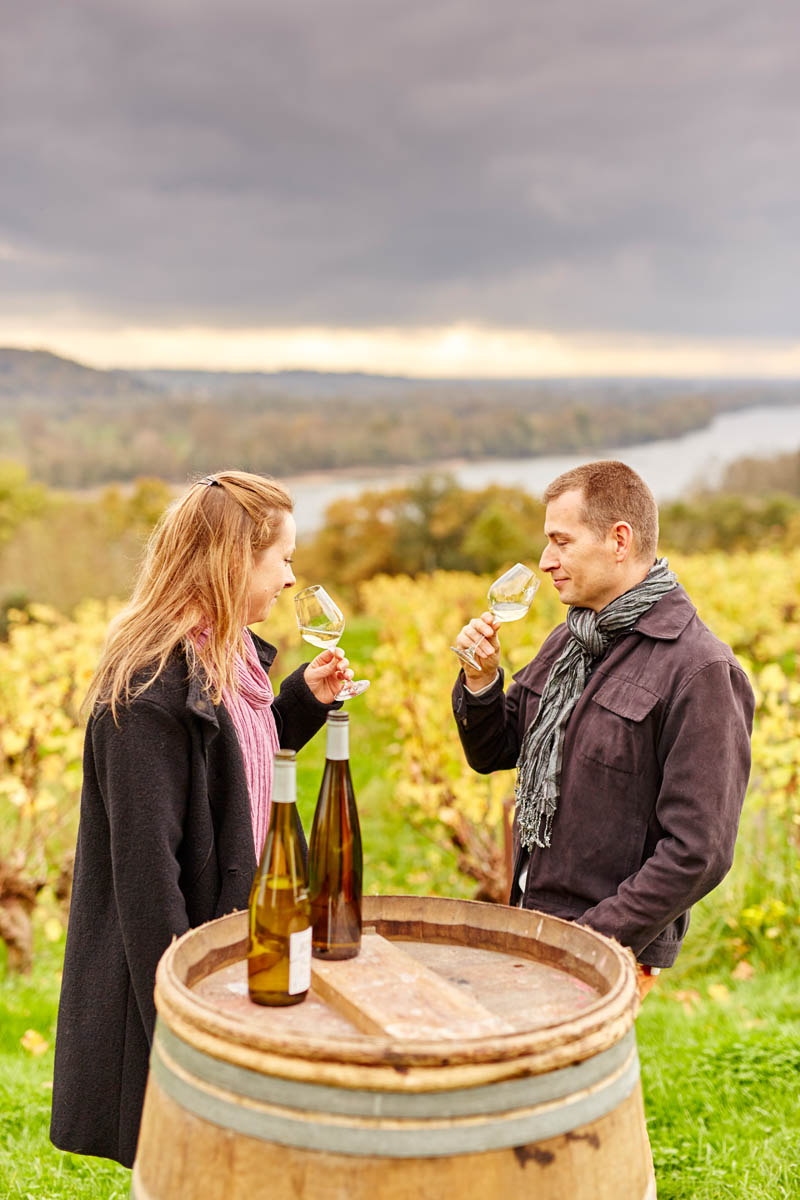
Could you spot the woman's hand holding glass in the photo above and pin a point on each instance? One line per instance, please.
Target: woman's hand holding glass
(321, 622)
(327, 674)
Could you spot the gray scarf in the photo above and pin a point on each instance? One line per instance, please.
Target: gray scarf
(539, 766)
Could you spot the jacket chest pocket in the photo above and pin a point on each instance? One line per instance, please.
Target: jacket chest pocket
(616, 731)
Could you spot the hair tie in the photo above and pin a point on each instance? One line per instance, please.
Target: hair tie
(209, 481)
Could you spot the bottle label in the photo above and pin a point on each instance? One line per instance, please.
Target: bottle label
(300, 961)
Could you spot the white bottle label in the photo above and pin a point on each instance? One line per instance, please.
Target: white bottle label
(300, 961)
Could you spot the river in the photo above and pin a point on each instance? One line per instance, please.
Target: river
(671, 467)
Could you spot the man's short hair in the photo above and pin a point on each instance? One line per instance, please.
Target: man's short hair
(612, 492)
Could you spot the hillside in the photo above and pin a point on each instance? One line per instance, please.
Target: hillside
(37, 379)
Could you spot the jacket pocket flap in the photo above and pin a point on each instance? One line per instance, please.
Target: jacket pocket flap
(626, 699)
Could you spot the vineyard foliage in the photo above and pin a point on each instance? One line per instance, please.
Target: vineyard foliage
(45, 668)
(749, 600)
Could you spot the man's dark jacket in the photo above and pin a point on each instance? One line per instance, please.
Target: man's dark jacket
(165, 843)
(655, 768)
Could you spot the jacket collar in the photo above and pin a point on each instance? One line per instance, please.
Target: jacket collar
(668, 617)
(265, 651)
(665, 621)
(198, 700)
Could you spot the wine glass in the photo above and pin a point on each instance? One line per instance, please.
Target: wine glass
(321, 622)
(510, 598)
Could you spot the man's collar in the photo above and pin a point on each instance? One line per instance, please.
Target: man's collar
(668, 617)
(665, 621)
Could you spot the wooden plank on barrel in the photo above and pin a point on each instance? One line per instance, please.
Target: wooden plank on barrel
(387, 991)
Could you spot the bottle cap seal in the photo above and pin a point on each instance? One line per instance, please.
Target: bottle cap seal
(284, 778)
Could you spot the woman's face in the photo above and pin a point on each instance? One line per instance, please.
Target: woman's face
(272, 572)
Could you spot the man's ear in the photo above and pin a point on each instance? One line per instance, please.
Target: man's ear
(622, 536)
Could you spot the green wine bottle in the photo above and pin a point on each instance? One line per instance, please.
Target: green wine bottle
(279, 944)
(335, 863)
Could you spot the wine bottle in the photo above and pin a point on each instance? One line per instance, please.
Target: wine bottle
(335, 865)
(279, 944)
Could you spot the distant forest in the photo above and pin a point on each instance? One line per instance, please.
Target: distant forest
(75, 427)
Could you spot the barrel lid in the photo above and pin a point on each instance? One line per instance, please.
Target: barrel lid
(444, 991)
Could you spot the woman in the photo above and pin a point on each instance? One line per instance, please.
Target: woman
(176, 792)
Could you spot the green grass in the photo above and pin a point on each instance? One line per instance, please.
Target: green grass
(720, 1058)
(30, 1167)
(721, 1076)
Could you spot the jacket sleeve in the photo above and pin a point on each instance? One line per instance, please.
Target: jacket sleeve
(143, 767)
(488, 725)
(298, 713)
(704, 754)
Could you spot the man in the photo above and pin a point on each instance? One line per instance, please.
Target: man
(630, 729)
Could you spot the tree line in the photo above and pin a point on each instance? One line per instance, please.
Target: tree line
(75, 427)
(177, 438)
(61, 548)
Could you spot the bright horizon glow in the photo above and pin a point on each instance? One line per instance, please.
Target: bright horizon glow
(435, 352)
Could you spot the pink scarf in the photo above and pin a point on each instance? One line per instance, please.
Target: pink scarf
(250, 709)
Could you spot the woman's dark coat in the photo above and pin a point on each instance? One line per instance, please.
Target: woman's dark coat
(165, 843)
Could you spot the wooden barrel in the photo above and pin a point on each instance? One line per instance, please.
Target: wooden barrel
(471, 1050)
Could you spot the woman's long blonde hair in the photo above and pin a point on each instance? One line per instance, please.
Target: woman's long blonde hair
(194, 581)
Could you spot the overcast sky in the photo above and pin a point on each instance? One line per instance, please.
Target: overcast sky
(607, 173)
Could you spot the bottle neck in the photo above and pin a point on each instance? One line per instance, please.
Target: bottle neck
(338, 742)
(282, 818)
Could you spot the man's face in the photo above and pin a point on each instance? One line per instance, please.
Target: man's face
(582, 566)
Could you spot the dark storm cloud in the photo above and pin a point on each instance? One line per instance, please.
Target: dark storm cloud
(607, 164)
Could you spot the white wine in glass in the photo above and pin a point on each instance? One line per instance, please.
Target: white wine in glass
(321, 623)
(509, 597)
